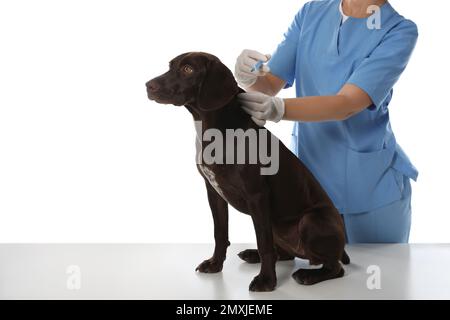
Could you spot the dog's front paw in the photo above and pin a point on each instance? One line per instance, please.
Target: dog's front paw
(210, 266)
(263, 283)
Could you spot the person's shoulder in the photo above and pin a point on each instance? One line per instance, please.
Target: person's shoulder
(399, 23)
(404, 28)
(409, 26)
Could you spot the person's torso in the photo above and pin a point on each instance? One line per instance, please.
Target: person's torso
(352, 159)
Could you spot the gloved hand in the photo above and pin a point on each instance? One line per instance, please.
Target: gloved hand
(262, 107)
(244, 64)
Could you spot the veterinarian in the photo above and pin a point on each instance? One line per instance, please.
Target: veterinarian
(344, 64)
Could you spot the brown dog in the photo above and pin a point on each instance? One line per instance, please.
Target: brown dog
(291, 213)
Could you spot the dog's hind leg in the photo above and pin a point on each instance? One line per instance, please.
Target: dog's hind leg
(345, 259)
(252, 255)
(330, 270)
(283, 255)
(323, 241)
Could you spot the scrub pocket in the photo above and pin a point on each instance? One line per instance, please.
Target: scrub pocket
(371, 181)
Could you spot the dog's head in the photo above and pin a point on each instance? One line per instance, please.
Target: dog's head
(197, 79)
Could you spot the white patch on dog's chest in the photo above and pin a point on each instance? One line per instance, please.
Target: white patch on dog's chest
(211, 176)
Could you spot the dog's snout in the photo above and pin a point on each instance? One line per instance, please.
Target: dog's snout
(153, 86)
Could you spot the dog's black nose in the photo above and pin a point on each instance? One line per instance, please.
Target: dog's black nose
(152, 86)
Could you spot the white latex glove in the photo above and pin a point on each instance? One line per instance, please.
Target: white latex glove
(245, 63)
(262, 107)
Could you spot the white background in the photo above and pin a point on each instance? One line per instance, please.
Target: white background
(85, 157)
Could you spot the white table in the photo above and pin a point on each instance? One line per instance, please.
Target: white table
(166, 271)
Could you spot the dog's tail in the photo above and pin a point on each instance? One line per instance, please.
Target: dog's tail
(345, 259)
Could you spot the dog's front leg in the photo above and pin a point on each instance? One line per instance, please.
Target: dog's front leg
(266, 280)
(219, 209)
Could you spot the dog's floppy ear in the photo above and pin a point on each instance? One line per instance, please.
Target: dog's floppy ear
(218, 87)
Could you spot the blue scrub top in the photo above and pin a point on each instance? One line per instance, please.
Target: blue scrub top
(354, 160)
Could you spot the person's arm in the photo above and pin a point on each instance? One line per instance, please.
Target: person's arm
(349, 101)
(268, 84)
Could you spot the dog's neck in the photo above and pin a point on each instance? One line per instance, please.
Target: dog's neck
(230, 116)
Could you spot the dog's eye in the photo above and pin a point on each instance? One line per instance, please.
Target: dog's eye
(187, 69)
